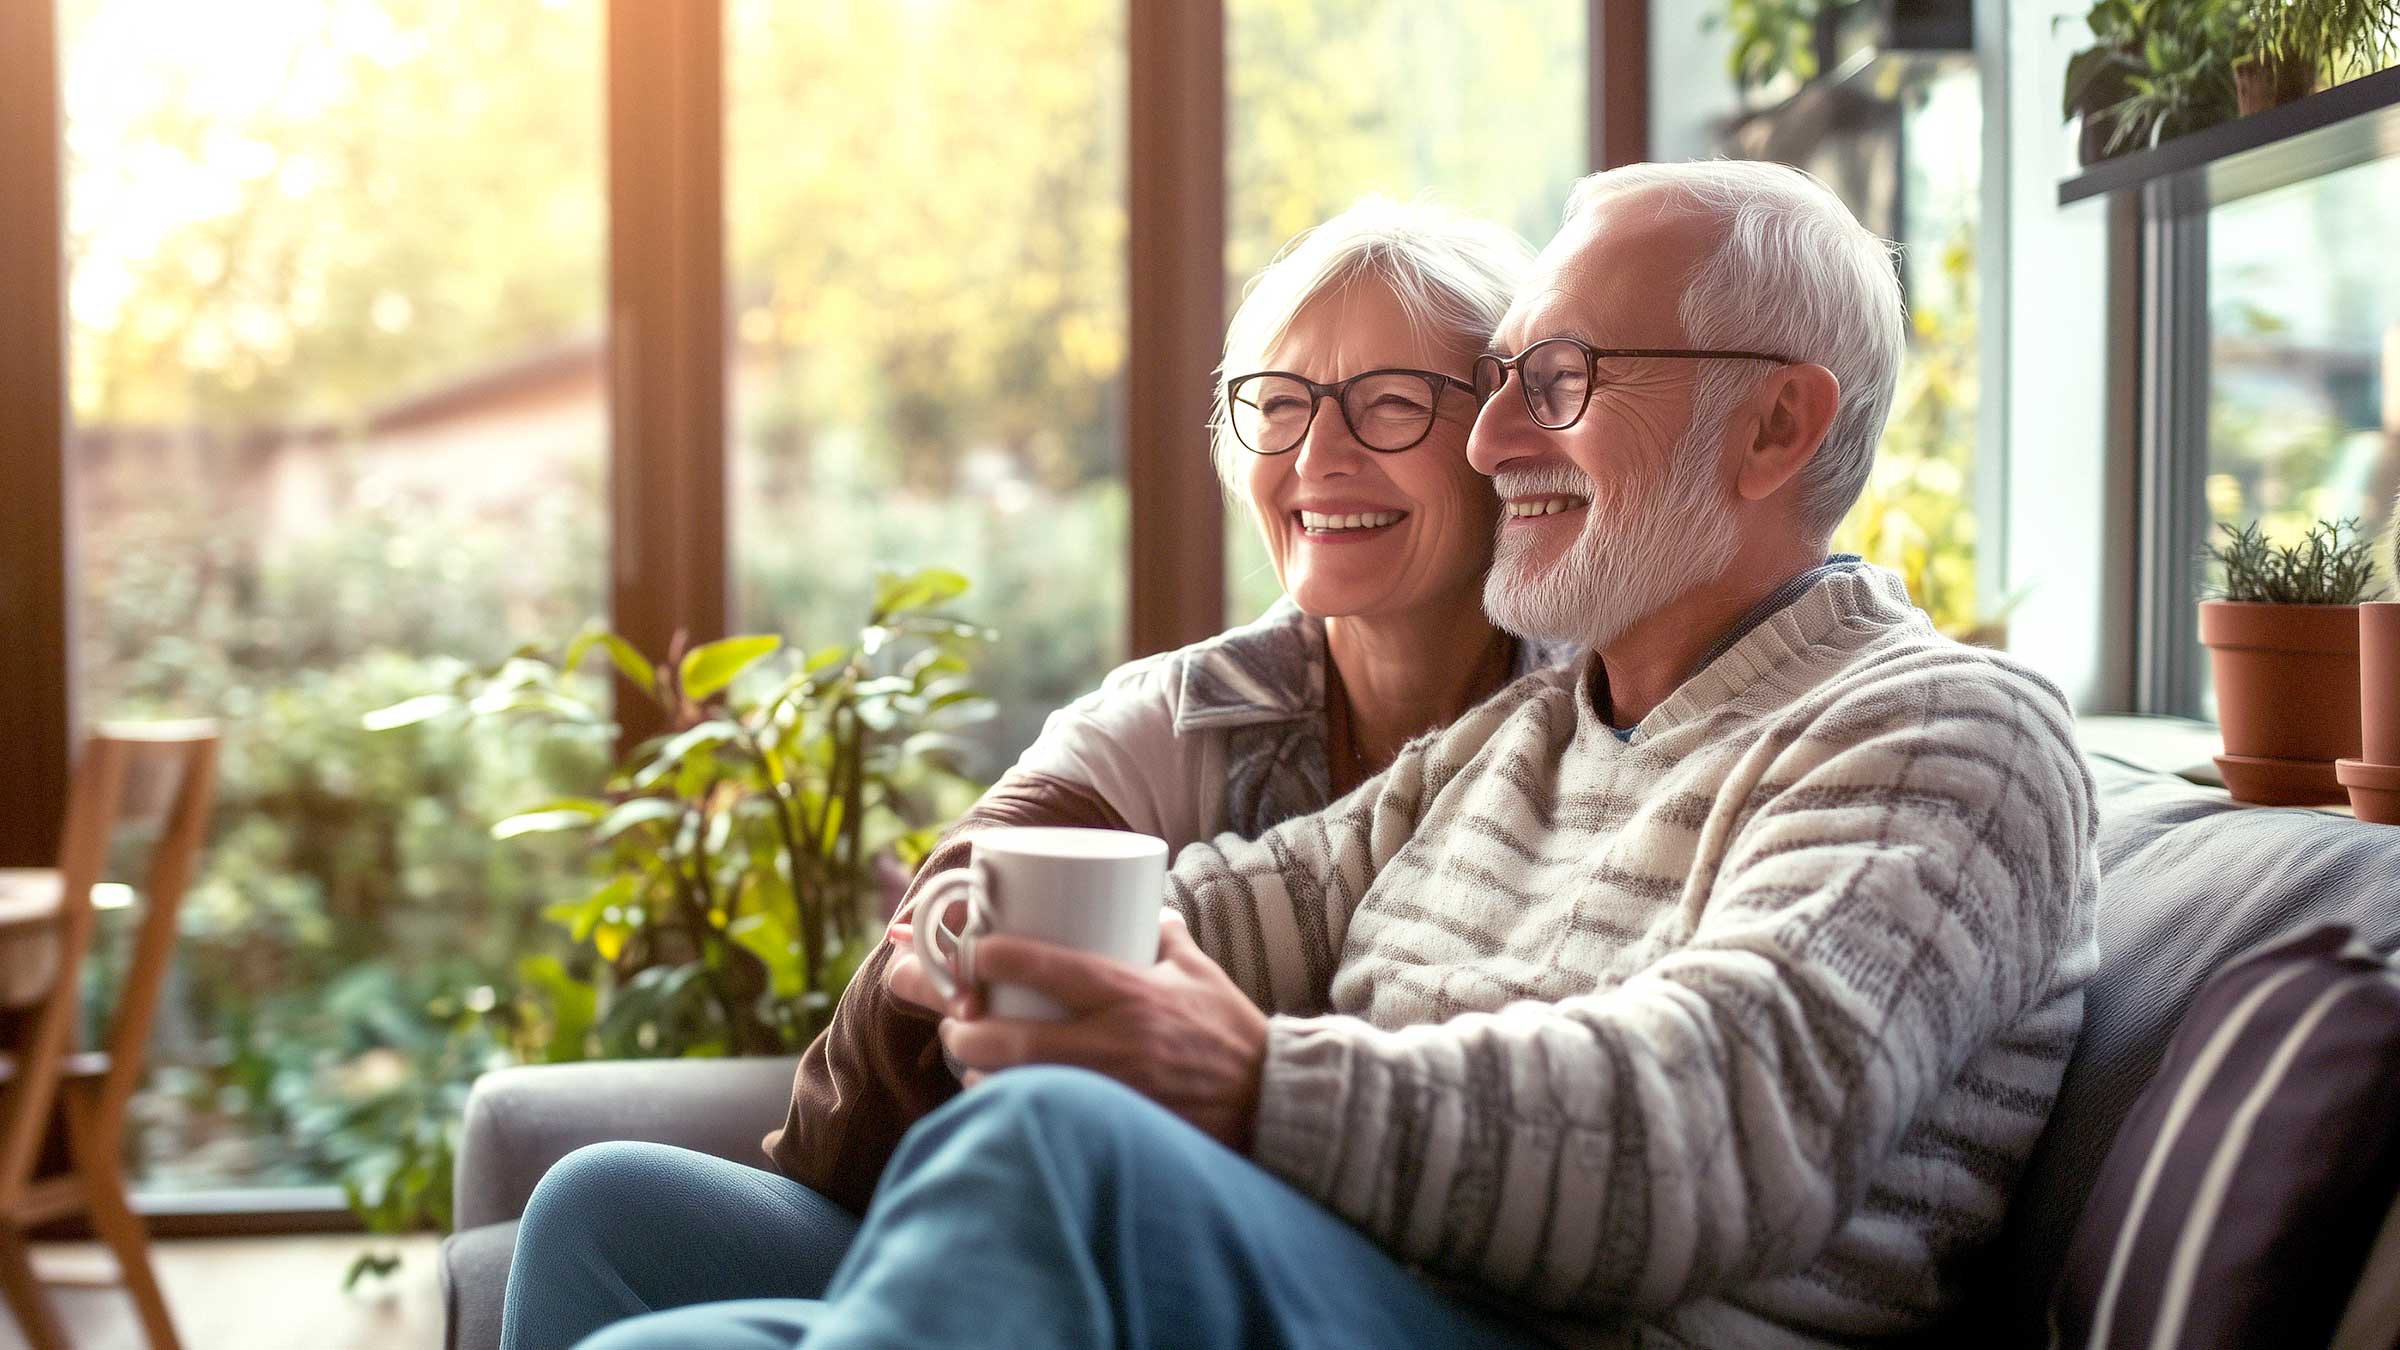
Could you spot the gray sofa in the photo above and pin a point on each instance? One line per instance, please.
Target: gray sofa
(2189, 881)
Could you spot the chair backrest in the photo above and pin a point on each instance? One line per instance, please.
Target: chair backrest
(171, 780)
(129, 774)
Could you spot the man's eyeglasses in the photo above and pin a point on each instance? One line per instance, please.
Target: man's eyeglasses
(1557, 375)
(1386, 410)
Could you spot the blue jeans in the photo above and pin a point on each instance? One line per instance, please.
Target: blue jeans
(619, 1229)
(1048, 1207)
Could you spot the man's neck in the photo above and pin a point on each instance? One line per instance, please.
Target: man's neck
(1407, 674)
(1650, 660)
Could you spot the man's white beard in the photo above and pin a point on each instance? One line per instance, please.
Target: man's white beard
(1627, 564)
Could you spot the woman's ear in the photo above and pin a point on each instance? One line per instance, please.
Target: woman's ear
(1800, 401)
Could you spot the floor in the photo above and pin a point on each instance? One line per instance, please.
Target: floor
(264, 1293)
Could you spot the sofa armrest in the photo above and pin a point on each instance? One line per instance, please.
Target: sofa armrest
(521, 1120)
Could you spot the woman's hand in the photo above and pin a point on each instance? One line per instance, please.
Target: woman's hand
(905, 976)
(1179, 1032)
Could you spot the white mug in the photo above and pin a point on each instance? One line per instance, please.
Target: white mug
(1098, 891)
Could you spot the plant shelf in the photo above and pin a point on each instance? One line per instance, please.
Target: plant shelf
(2323, 133)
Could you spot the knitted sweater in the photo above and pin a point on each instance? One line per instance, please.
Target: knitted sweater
(1737, 1034)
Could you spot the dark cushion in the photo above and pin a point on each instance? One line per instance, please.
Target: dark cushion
(2240, 1198)
(2188, 883)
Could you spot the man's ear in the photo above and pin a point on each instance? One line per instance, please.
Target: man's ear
(1798, 406)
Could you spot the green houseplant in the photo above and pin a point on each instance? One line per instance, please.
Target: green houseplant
(2288, 46)
(1772, 37)
(2155, 70)
(2282, 637)
(2373, 779)
(737, 859)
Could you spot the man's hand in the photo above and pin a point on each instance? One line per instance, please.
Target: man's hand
(1179, 1032)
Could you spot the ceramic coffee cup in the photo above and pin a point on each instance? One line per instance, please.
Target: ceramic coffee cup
(1098, 891)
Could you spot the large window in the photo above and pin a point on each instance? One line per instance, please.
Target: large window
(928, 357)
(366, 377)
(2304, 356)
(1480, 105)
(334, 282)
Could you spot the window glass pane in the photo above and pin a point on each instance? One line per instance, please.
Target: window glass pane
(335, 272)
(1897, 135)
(927, 221)
(1917, 515)
(1478, 102)
(2304, 355)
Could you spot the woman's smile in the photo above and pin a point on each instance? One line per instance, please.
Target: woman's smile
(1345, 522)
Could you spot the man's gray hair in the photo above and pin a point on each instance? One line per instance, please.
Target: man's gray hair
(1796, 275)
(1454, 275)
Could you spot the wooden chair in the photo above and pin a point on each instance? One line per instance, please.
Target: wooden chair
(129, 775)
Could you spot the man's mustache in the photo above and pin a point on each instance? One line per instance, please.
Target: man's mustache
(1549, 479)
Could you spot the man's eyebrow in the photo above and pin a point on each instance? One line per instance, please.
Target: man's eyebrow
(1567, 329)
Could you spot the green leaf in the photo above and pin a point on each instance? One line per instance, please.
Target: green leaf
(716, 731)
(582, 916)
(824, 658)
(962, 707)
(636, 811)
(573, 1006)
(713, 665)
(632, 664)
(370, 1264)
(898, 594)
(408, 713)
(768, 936)
(579, 647)
(549, 821)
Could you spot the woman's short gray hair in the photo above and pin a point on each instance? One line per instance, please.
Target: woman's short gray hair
(1796, 275)
(1453, 274)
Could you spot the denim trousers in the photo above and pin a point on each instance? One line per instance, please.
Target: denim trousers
(1048, 1207)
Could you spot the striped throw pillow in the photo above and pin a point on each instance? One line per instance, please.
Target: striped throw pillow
(2238, 1204)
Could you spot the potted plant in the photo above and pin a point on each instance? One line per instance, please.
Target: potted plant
(2155, 70)
(2374, 777)
(740, 860)
(2282, 638)
(2289, 44)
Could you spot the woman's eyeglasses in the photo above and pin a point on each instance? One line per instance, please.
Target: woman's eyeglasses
(1386, 410)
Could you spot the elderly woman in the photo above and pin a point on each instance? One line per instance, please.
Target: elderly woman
(1343, 421)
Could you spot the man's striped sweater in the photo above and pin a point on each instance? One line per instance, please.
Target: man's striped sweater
(1736, 1034)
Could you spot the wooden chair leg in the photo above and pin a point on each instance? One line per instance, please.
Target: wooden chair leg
(122, 1230)
(35, 1317)
(113, 1218)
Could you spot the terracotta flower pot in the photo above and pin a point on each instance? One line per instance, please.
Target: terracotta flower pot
(2287, 690)
(2379, 680)
(2374, 790)
(2374, 778)
(2262, 82)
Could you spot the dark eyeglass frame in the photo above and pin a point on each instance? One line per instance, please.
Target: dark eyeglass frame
(1592, 357)
(1339, 392)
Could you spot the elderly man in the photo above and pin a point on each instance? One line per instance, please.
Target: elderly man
(1710, 992)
